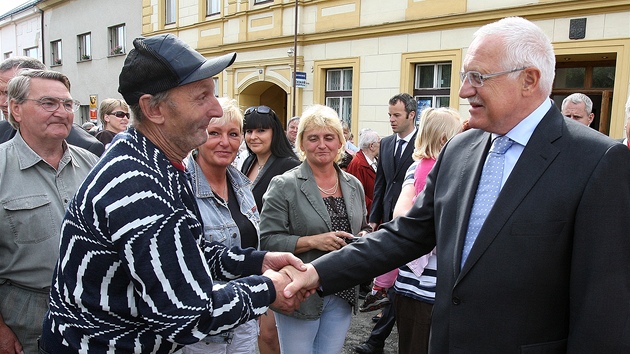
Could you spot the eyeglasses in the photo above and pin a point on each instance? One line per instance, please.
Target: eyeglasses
(51, 104)
(120, 114)
(259, 109)
(476, 78)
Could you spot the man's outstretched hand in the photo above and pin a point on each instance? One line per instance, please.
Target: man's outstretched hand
(302, 282)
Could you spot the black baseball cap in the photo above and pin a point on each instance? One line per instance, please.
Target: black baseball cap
(162, 62)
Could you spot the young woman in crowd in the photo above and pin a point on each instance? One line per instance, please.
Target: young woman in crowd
(270, 154)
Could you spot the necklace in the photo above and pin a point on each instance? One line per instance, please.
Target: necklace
(260, 165)
(330, 191)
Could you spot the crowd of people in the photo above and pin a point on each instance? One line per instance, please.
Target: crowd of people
(188, 224)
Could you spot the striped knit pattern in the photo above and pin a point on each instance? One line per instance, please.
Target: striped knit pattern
(135, 272)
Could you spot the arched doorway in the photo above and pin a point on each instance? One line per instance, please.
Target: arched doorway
(268, 94)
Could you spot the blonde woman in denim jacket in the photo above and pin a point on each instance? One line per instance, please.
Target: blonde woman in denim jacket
(228, 211)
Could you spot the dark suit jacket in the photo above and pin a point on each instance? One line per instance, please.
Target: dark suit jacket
(78, 137)
(276, 166)
(550, 270)
(360, 169)
(389, 179)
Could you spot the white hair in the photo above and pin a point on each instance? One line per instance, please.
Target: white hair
(525, 45)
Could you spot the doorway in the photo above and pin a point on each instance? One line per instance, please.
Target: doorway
(592, 75)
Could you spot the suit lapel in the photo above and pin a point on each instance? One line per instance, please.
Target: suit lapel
(388, 155)
(310, 191)
(532, 164)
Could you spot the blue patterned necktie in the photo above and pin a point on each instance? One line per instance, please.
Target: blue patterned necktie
(487, 191)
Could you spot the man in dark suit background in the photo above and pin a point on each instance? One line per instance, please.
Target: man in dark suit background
(8, 69)
(549, 270)
(394, 160)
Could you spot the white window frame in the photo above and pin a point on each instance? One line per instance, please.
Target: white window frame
(55, 53)
(213, 7)
(84, 46)
(170, 12)
(439, 92)
(116, 38)
(339, 94)
(32, 52)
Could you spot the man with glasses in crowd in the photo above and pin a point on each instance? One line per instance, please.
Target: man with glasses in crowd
(40, 173)
(8, 69)
(529, 212)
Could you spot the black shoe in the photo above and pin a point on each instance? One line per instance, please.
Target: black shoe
(377, 317)
(367, 348)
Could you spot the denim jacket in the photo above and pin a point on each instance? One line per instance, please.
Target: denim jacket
(218, 224)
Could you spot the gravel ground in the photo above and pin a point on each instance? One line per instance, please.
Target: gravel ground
(359, 332)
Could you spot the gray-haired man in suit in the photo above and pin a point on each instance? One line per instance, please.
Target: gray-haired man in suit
(549, 270)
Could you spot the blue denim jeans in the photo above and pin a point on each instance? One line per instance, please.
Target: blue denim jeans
(325, 335)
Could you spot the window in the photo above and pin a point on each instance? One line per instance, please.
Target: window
(7, 55)
(116, 39)
(432, 85)
(339, 92)
(171, 11)
(55, 52)
(212, 7)
(256, 2)
(216, 86)
(31, 52)
(84, 49)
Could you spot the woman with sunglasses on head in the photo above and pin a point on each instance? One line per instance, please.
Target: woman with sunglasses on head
(228, 212)
(270, 151)
(114, 115)
(270, 154)
(312, 210)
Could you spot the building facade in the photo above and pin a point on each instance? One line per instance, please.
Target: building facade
(356, 54)
(84, 39)
(352, 55)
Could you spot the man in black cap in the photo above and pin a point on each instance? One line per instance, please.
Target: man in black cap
(135, 273)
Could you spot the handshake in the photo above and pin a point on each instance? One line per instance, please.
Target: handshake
(294, 281)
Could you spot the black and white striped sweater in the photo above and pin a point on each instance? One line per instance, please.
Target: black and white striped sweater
(135, 274)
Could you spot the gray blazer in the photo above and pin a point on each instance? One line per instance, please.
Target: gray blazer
(293, 208)
(550, 270)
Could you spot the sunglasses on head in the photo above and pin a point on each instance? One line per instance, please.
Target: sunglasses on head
(120, 114)
(258, 109)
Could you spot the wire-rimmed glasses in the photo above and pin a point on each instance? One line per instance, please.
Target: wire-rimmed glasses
(51, 104)
(476, 78)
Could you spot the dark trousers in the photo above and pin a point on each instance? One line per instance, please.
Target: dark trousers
(414, 324)
(384, 326)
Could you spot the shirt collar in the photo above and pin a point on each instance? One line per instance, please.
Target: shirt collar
(369, 160)
(28, 158)
(407, 137)
(523, 131)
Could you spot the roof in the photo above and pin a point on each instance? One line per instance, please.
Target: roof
(20, 8)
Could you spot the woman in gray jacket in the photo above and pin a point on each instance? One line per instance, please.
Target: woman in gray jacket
(310, 211)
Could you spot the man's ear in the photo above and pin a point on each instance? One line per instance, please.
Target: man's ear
(15, 109)
(412, 115)
(530, 80)
(151, 112)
